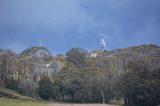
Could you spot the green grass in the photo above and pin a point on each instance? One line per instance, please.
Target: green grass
(12, 102)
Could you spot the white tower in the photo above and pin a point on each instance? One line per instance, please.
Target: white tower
(40, 44)
(102, 44)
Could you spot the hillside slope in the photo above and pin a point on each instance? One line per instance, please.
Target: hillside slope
(35, 51)
(8, 93)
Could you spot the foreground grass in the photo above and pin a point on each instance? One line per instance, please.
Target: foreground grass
(12, 102)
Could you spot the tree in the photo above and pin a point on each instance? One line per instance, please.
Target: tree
(45, 89)
(8, 65)
(77, 56)
(140, 85)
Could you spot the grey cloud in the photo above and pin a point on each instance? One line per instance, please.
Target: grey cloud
(63, 22)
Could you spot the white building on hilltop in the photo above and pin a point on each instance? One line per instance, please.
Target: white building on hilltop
(102, 44)
(100, 52)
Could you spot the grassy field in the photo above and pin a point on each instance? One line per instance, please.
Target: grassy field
(18, 100)
(80, 105)
(13, 102)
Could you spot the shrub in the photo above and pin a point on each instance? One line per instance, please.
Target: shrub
(45, 89)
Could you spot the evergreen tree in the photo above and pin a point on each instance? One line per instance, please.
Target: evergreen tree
(45, 89)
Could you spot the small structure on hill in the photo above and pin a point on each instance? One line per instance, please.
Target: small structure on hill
(102, 44)
(100, 52)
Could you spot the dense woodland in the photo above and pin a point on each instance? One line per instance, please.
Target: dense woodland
(131, 75)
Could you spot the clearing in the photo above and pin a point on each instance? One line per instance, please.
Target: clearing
(13, 102)
(55, 104)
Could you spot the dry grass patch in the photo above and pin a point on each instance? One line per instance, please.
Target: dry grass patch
(56, 104)
(12, 102)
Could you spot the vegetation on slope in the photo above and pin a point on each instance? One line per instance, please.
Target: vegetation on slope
(132, 74)
(35, 51)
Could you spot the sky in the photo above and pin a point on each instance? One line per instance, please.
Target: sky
(63, 24)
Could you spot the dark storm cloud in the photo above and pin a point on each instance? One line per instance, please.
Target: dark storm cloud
(127, 22)
(62, 24)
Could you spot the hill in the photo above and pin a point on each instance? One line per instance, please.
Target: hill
(130, 52)
(131, 73)
(140, 51)
(35, 52)
(8, 93)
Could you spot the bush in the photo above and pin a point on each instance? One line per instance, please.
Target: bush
(45, 89)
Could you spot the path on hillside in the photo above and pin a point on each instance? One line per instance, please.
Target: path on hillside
(56, 104)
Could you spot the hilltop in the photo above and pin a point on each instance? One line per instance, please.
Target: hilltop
(35, 52)
(84, 77)
(135, 51)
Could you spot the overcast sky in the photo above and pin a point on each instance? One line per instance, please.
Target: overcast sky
(63, 24)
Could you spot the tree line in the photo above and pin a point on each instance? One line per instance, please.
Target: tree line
(83, 79)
